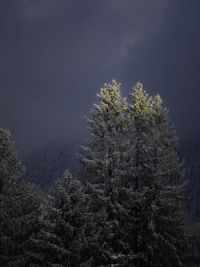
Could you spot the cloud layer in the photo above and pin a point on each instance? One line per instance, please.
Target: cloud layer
(56, 54)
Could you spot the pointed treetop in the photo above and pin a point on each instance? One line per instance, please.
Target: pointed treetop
(140, 100)
(158, 110)
(157, 102)
(109, 90)
(110, 97)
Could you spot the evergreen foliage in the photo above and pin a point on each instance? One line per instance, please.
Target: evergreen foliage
(107, 156)
(18, 205)
(168, 188)
(126, 212)
(62, 239)
(10, 168)
(154, 223)
(108, 160)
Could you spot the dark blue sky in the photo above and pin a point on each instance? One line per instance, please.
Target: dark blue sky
(55, 55)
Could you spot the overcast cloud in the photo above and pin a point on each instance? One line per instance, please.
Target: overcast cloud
(56, 54)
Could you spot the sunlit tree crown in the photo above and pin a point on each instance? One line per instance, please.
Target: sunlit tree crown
(141, 101)
(110, 97)
(106, 155)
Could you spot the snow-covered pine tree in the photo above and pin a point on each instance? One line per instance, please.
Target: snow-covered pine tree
(164, 145)
(140, 114)
(107, 156)
(18, 205)
(159, 222)
(62, 240)
(111, 224)
(108, 160)
(167, 188)
(128, 212)
(139, 109)
(10, 167)
(68, 200)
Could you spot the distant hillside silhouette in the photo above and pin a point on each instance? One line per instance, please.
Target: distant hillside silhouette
(49, 162)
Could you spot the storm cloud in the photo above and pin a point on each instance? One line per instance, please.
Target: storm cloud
(56, 54)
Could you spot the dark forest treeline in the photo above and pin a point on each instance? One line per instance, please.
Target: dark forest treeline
(122, 209)
(46, 164)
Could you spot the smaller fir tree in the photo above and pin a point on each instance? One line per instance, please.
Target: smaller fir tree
(19, 216)
(62, 240)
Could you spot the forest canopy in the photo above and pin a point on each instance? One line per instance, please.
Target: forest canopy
(122, 208)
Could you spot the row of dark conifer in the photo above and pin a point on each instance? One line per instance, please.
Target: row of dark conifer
(122, 209)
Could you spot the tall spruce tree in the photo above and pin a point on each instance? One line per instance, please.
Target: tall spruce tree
(11, 168)
(139, 109)
(158, 173)
(19, 207)
(166, 175)
(134, 211)
(108, 160)
(107, 156)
